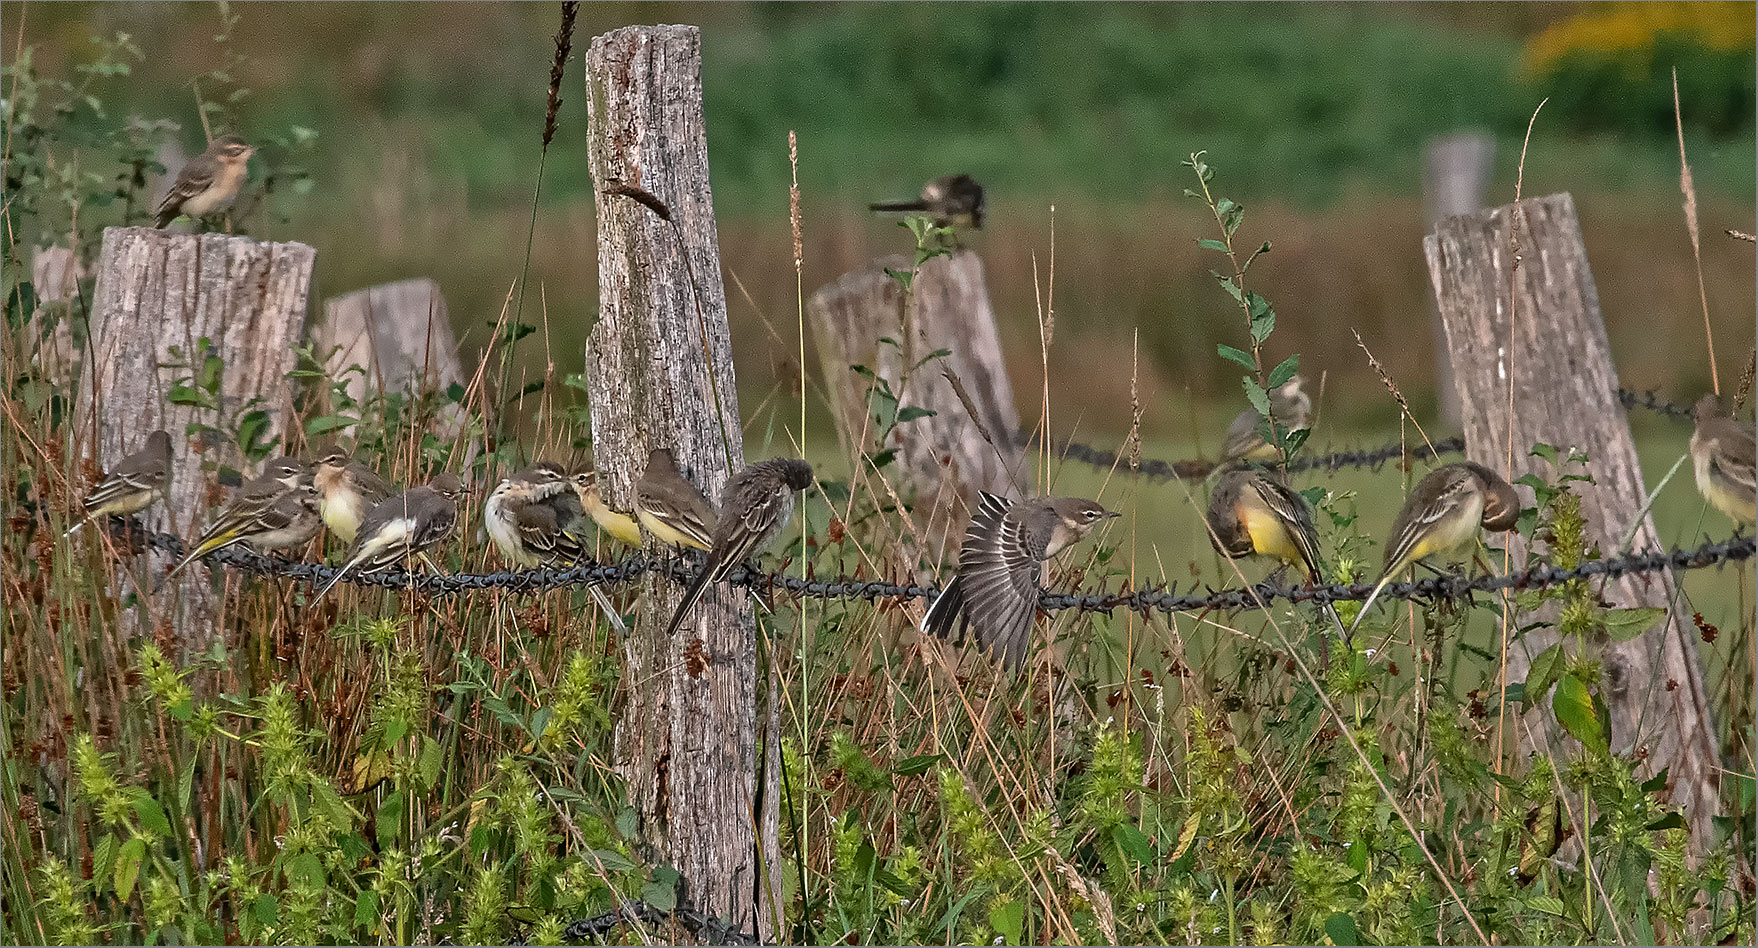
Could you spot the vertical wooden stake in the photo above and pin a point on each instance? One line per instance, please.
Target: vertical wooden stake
(1550, 348)
(1455, 173)
(400, 333)
(660, 374)
(165, 305)
(942, 458)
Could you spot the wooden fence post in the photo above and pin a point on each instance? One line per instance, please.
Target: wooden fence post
(159, 296)
(1549, 347)
(400, 333)
(660, 374)
(942, 458)
(55, 275)
(1455, 173)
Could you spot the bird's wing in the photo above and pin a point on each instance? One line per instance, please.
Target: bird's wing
(1243, 435)
(540, 529)
(1736, 450)
(122, 483)
(999, 575)
(1292, 510)
(683, 510)
(739, 541)
(1417, 519)
(197, 175)
(372, 487)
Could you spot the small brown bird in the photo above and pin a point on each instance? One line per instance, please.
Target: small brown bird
(1292, 409)
(347, 489)
(209, 181)
(269, 513)
(755, 506)
(1000, 570)
(528, 516)
(1723, 456)
(952, 201)
(403, 526)
(138, 480)
(1251, 513)
(671, 508)
(1445, 511)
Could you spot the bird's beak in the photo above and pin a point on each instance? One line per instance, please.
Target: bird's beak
(1111, 513)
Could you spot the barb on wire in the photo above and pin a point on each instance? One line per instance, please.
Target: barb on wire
(1653, 403)
(1157, 598)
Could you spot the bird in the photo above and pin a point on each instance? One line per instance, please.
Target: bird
(346, 489)
(994, 595)
(1723, 456)
(403, 526)
(133, 485)
(269, 513)
(620, 526)
(755, 506)
(207, 182)
(955, 200)
(1289, 405)
(527, 516)
(1445, 511)
(1252, 513)
(671, 508)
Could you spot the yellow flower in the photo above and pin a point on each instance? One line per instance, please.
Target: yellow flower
(1627, 31)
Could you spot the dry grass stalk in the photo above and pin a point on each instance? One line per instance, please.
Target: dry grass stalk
(1689, 189)
(564, 44)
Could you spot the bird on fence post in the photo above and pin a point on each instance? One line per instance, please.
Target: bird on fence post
(754, 508)
(347, 489)
(1291, 408)
(1723, 456)
(208, 182)
(671, 508)
(137, 481)
(1252, 513)
(994, 594)
(403, 526)
(1445, 511)
(277, 510)
(955, 200)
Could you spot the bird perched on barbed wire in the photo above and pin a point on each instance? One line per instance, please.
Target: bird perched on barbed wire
(1252, 513)
(277, 510)
(754, 508)
(137, 481)
(1446, 510)
(528, 516)
(994, 595)
(1289, 405)
(403, 526)
(671, 508)
(955, 200)
(208, 182)
(346, 489)
(619, 525)
(1723, 456)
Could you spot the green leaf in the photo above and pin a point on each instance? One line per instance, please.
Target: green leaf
(1545, 451)
(1542, 674)
(268, 911)
(1341, 929)
(1255, 394)
(1134, 842)
(1574, 709)
(431, 760)
(1622, 625)
(366, 911)
(1280, 375)
(152, 816)
(1187, 834)
(911, 413)
(1210, 243)
(1656, 783)
(104, 858)
(627, 823)
(1548, 904)
(919, 764)
(662, 891)
(317, 426)
(1237, 355)
(128, 866)
(1263, 317)
(1008, 919)
(1227, 284)
(1667, 822)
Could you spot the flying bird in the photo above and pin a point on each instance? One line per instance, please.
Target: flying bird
(955, 200)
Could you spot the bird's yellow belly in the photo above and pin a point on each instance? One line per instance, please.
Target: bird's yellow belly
(666, 533)
(343, 515)
(1269, 536)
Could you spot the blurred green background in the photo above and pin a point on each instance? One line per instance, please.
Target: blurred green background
(428, 118)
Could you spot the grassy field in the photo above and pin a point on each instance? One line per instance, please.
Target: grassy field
(383, 768)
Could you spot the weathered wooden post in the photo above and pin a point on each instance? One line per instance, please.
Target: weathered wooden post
(660, 374)
(164, 305)
(1455, 173)
(1548, 348)
(55, 275)
(943, 458)
(399, 333)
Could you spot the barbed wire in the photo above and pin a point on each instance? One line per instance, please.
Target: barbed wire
(1155, 598)
(709, 929)
(1196, 468)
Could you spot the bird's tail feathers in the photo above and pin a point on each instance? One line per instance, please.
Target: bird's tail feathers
(943, 613)
(697, 587)
(898, 206)
(1381, 585)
